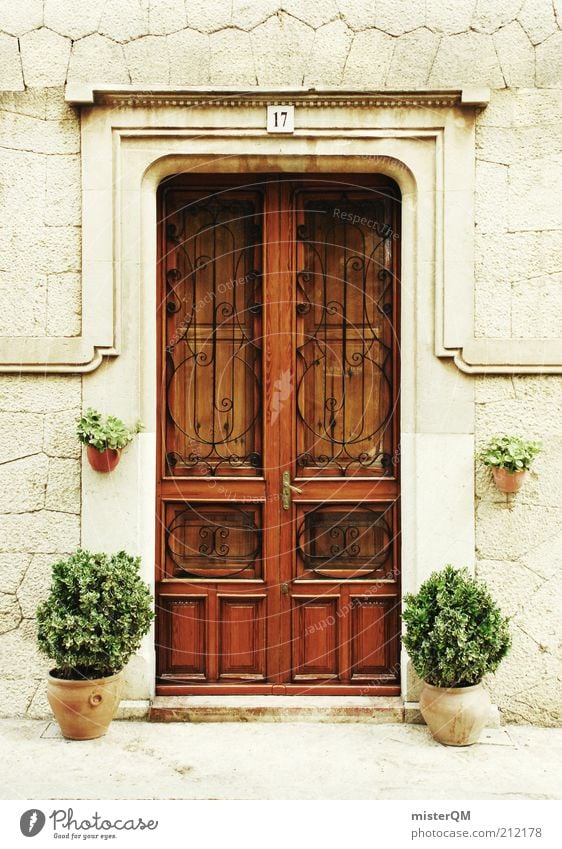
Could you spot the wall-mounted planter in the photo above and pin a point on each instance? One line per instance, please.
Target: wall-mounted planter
(508, 481)
(104, 438)
(103, 461)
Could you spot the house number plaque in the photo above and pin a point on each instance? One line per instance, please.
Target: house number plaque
(280, 119)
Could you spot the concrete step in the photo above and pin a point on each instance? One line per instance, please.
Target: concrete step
(375, 710)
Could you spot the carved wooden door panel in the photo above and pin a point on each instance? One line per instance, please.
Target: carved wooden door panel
(278, 368)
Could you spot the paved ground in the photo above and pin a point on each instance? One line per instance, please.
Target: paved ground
(141, 760)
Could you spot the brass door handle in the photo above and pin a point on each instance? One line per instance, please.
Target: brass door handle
(287, 489)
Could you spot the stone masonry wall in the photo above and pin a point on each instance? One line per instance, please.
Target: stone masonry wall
(513, 46)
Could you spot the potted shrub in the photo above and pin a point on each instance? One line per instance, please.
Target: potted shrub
(509, 458)
(456, 634)
(93, 620)
(104, 438)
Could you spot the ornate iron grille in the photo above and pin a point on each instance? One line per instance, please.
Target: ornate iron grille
(346, 542)
(213, 541)
(213, 304)
(344, 391)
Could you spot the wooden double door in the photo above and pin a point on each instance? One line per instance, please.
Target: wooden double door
(278, 453)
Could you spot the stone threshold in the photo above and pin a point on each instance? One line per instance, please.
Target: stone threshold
(376, 710)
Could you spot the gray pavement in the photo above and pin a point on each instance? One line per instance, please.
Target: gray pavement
(236, 760)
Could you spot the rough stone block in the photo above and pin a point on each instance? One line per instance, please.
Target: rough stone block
(509, 533)
(534, 193)
(12, 570)
(166, 16)
(358, 14)
(492, 308)
(188, 52)
(209, 17)
(545, 559)
(511, 256)
(10, 612)
(22, 177)
(537, 308)
(399, 16)
(510, 145)
(412, 59)
(64, 301)
(124, 20)
(223, 46)
(537, 19)
(535, 417)
(549, 64)
(516, 55)
(57, 109)
(60, 438)
(42, 532)
(32, 394)
(97, 58)
(329, 53)
(39, 707)
(63, 191)
(491, 197)
(15, 695)
(35, 586)
(281, 48)
(57, 249)
(488, 17)
(19, 655)
(25, 133)
(312, 12)
(147, 60)
(11, 75)
(23, 303)
(466, 59)
(48, 249)
(525, 673)
(539, 387)
(449, 16)
(18, 18)
(23, 484)
(31, 102)
(44, 56)
(511, 584)
(247, 14)
(493, 387)
(76, 19)
(63, 486)
(21, 434)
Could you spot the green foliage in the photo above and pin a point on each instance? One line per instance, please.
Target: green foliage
(510, 452)
(109, 433)
(96, 615)
(456, 633)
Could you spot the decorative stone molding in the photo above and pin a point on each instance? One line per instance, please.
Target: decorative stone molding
(423, 139)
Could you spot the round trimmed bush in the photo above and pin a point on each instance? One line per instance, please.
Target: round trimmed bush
(96, 615)
(456, 633)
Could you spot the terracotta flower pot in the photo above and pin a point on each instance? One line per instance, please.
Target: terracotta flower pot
(84, 708)
(103, 461)
(508, 481)
(455, 715)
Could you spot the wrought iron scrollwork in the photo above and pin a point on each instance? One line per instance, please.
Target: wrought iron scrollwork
(345, 361)
(213, 357)
(346, 541)
(213, 542)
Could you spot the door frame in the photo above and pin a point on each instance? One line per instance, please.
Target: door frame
(427, 147)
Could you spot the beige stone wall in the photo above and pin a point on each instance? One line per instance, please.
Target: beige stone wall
(514, 46)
